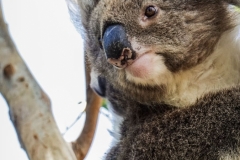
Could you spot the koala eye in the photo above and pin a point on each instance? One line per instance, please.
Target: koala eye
(150, 11)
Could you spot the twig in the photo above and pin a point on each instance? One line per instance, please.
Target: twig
(69, 127)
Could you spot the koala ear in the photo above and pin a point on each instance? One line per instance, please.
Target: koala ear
(80, 11)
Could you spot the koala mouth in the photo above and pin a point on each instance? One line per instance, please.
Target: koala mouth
(126, 58)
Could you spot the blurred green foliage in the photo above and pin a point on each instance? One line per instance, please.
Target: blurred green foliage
(104, 104)
(237, 8)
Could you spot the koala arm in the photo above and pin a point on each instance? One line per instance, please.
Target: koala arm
(210, 129)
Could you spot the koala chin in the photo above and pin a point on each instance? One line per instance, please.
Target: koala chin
(170, 70)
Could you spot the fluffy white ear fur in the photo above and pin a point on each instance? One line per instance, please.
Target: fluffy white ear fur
(80, 11)
(74, 12)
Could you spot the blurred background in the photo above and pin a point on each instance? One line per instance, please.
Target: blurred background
(53, 50)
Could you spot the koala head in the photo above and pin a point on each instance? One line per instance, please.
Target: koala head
(156, 50)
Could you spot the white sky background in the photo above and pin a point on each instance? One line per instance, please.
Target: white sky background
(52, 49)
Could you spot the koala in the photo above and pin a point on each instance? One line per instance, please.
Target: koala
(170, 70)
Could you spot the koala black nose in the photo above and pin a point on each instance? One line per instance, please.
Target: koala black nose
(117, 47)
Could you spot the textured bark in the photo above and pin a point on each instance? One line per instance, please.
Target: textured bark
(30, 108)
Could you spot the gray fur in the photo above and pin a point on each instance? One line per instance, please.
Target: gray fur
(186, 33)
(206, 130)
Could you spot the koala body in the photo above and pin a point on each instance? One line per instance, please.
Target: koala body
(170, 69)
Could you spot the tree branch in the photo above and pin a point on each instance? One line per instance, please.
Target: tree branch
(82, 144)
(29, 106)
